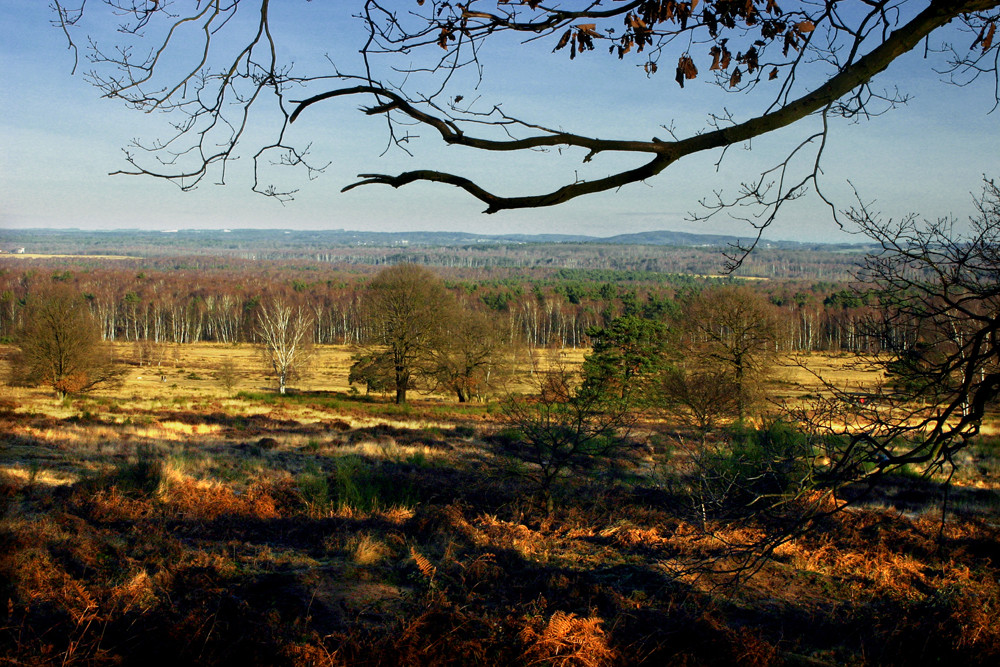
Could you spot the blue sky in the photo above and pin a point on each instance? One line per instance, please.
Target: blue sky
(59, 140)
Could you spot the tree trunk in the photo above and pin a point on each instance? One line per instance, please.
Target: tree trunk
(402, 382)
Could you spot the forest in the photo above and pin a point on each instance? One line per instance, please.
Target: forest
(550, 302)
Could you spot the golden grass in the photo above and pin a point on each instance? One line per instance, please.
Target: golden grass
(43, 476)
(367, 550)
(189, 373)
(796, 376)
(241, 549)
(192, 370)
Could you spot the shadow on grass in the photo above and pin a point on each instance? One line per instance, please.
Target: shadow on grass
(915, 495)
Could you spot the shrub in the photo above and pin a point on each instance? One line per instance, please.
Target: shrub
(140, 477)
(752, 469)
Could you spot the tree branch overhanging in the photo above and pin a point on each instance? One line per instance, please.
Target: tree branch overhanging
(216, 93)
(855, 75)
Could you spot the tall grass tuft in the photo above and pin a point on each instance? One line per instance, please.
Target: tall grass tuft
(314, 489)
(140, 477)
(364, 487)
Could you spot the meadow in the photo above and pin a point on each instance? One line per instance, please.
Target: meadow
(183, 517)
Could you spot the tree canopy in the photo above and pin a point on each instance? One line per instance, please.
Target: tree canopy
(232, 74)
(405, 305)
(60, 346)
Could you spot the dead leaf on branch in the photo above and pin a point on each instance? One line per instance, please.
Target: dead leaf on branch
(720, 57)
(686, 69)
(563, 41)
(985, 37)
(447, 34)
(633, 21)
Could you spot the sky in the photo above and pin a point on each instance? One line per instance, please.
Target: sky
(59, 140)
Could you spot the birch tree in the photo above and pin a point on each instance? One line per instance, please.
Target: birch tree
(284, 333)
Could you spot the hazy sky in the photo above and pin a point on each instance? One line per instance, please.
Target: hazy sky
(59, 140)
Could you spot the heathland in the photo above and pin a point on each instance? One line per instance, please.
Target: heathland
(193, 512)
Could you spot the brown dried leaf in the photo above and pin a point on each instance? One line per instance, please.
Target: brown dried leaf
(715, 52)
(805, 26)
(988, 40)
(446, 34)
(564, 40)
(687, 65)
(634, 21)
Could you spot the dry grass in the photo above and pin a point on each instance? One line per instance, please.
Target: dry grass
(189, 373)
(173, 521)
(803, 375)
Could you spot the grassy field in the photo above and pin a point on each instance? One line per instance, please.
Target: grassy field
(193, 370)
(175, 519)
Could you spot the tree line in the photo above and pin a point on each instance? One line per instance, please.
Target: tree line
(556, 309)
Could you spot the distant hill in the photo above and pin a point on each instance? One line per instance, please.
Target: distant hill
(684, 239)
(640, 254)
(63, 240)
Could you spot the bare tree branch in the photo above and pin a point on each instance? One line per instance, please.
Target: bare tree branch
(822, 58)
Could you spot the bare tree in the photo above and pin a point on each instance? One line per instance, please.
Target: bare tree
(936, 342)
(405, 306)
(60, 346)
(228, 376)
(470, 357)
(938, 331)
(732, 330)
(799, 63)
(699, 395)
(285, 334)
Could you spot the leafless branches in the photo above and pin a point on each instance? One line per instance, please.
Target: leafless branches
(285, 334)
(937, 330)
(60, 346)
(217, 68)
